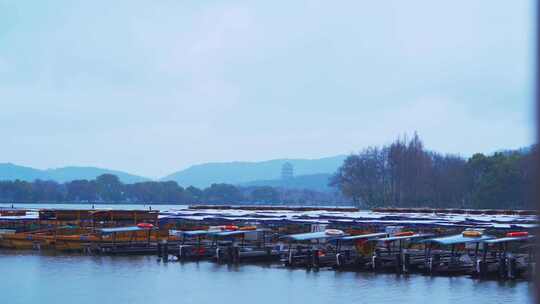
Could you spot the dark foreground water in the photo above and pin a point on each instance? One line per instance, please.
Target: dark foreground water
(28, 277)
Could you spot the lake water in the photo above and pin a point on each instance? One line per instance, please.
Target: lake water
(30, 277)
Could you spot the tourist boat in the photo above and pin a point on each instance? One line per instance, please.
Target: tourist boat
(73, 238)
(19, 240)
(65, 238)
(76, 242)
(78, 230)
(245, 246)
(137, 239)
(36, 239)
(96, 218)
(225, 244)
(454, 255)
(195, 245)
(312, 249)
(401, 252)
(506, 258)
(354, 252)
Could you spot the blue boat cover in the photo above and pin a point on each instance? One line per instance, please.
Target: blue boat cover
(239, 232)
(363, 236)
(196, 232)
(312, 236)
(120, 229)
(404, 237)
(459, 239)
(510, 239)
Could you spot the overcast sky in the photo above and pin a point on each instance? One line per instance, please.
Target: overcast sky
(151, 87)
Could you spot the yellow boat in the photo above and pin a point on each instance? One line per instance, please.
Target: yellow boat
(20, 240)
(73, 238)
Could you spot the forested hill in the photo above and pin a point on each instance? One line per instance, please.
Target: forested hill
(10, 171)
(244, 172)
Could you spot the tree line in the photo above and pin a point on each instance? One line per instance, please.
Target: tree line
(108, 188)
(405, 174)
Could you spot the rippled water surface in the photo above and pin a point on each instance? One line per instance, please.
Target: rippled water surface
(29, 277)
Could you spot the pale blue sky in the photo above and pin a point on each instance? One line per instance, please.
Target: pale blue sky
(151, 87)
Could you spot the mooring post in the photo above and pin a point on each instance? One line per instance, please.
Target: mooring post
(165, 250)
(218, 255)
(502, 267)
(511, 265)
(230, 255)
(406, 262)
(236, 254)
(316, 261)
(181, 252)
(399, 258)
(435, 260)
(427, 258)
(290, 259)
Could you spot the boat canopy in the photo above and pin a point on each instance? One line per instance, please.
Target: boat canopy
(363, 236)
(240, 232)
(121, 229)
(312, 236)
(195, 232)
(459, 239)
(510, 239)
(404, 237)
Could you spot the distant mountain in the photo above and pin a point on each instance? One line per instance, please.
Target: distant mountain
(71, 173)
(310, 173)
(244, 172)
(10, 171)
(317, 182)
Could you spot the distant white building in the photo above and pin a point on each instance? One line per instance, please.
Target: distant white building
(287, 171)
